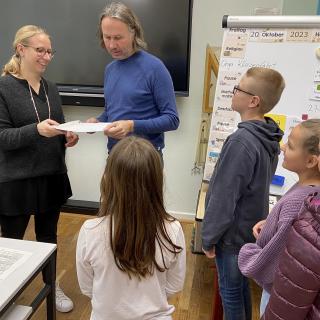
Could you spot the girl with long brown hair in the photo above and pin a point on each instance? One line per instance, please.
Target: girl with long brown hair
(131, 258)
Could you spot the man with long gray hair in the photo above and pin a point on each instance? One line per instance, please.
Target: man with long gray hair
(138, 89)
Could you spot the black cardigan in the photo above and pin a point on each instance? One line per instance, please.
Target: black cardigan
(23, 152)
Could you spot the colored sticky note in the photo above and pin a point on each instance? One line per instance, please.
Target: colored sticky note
(278, 180)
(280, 120)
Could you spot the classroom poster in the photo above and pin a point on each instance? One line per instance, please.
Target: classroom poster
(295, 53)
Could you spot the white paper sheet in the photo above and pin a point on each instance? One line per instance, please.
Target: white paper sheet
(10, 260)
(78, 126)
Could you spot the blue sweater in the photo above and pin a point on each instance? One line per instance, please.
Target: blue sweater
(140, 88)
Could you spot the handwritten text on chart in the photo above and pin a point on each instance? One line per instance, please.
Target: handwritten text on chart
(238, 30)
(267, 35)
(313, 108)
(221, 102)
(299, 35)
(225, 93)
(315, 36)
(235, 45)
(284, 35)
(223, 112)
(220, 123)
(227, 64)
(229, 78)
(217, 139)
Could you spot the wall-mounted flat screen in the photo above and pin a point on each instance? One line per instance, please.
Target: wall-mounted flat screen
(78, 66)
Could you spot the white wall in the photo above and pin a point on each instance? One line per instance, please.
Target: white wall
(305, 7)
(86, 161)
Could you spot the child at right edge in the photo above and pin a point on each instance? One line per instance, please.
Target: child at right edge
(296, 291)
(260, 260)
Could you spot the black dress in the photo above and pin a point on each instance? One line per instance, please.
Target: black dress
(34, 195)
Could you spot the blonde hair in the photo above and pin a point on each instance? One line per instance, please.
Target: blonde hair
(121, 12)
(268, 84)
(311, 141)
(22, 37)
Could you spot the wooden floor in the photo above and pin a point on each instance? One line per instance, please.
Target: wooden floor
(194, 303)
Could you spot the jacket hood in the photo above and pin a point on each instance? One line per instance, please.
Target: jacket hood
(267, 132)
(312, 204)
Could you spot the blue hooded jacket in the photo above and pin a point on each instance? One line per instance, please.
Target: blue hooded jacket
(238, 193)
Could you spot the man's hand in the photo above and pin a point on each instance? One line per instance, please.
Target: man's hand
(258, 227)
(210, 253)
(92, 120)
(72, 139)
(119, 129)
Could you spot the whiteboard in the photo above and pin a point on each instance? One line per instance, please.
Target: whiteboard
(295, 53)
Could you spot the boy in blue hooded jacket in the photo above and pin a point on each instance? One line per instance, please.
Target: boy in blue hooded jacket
(238, 193)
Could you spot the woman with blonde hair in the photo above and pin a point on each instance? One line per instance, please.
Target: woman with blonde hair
(33, 173)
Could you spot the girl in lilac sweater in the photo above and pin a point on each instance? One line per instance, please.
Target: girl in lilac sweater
(260, 260)
(296, 290)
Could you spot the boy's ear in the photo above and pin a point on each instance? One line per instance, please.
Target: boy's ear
(312, 161)
(255, 101)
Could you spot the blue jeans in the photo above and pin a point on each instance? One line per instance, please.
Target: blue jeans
(234, 287)
(264, 301)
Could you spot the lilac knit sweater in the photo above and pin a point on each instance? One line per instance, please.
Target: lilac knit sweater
(260, 260)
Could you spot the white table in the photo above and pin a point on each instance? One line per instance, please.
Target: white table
(42, 258)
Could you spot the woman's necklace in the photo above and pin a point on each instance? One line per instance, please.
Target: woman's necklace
(34, 104)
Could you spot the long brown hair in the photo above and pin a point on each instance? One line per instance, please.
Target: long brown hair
(132, 196)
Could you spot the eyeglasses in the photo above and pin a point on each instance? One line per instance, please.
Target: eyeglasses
(236, 88)
(41, 51)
